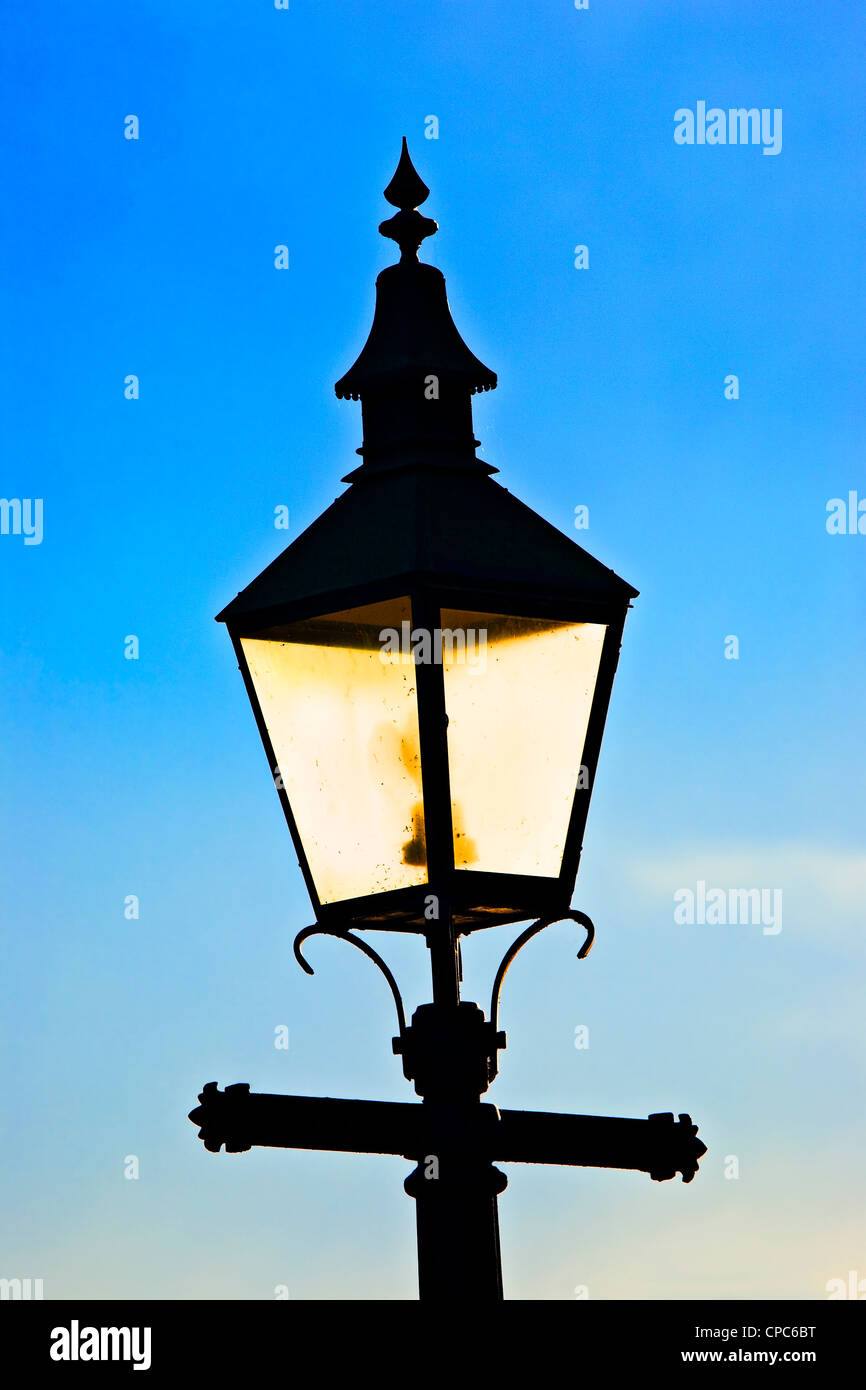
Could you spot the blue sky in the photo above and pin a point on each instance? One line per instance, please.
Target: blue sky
(155, 257)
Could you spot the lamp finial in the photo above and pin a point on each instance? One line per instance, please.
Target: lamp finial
(406, 191)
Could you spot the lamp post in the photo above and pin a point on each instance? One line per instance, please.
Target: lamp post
(430, 665)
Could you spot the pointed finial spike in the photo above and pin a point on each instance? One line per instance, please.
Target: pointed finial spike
(407, 190)
(407, 227)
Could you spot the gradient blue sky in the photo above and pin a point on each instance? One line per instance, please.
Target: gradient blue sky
(155, 257)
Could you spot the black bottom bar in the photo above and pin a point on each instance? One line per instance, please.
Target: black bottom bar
(219, 1340)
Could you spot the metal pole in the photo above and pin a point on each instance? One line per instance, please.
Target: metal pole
(455, 1185)
(444, 958)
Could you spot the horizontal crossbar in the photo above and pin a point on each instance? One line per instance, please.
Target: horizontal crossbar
(242, 1120)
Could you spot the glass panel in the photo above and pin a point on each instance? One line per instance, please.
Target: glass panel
(518, 693)
(342, 716)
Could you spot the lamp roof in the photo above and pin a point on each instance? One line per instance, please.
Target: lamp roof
(422, 509)
(406, 527)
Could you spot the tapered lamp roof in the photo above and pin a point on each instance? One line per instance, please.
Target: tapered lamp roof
(422, 506)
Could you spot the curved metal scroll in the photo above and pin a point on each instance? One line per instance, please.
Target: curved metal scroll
(521, 941)
(374, 956)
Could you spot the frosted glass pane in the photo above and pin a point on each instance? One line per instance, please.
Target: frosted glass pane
(517, 719)
(344, 728)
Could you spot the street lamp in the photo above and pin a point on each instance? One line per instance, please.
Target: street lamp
(430, 665)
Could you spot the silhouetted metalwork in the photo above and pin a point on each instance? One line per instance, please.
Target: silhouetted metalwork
(527, 935)
(364, 946)
(424, 530)
(239, 1120)
(407, 191)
